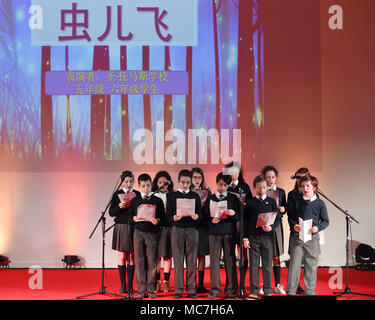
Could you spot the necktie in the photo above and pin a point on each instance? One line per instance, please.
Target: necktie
(233, 186)
(221, 196)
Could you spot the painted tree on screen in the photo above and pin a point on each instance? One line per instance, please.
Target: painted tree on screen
(167, 97)
(249, 114)
(125, 151)
(100, 111)
(46, 115)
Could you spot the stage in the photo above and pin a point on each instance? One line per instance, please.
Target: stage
(67, 284)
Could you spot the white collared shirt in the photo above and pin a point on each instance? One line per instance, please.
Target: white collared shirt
(184, 192)
(273, 188)
(149, 195)
(217, 194)
(235, 183)
(261, 198)
(311, 199)
(126, 191)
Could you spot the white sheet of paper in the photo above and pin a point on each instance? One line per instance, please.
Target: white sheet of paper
(185, 207)
(162, 196)
(146, 212)
(321, 237)
(305, 225)
(217, 208)
(266, 219)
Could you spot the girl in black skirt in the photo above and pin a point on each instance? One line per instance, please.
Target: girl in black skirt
(198, 185)
(242, 190)
(122, 240)
(278, 194)
(162, 185)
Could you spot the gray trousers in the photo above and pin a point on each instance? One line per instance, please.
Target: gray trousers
(227, 243)
(185, 242)
(145, 250)
(261, 247)
(307, 252)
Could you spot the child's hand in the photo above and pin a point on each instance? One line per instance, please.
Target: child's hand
(297, 228)
(135, 218)
(246, 244)
(154, 221)
(282, 209)
(123, 205)
(194, 216)
(314, 229)
(176, 217)
(267, 228)
(215, 220)
(230, 212)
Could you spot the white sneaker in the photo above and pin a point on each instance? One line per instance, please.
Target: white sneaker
(261, 291)
(279, 289)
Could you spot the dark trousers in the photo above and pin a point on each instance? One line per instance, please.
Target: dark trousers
(227, 243)
(261, 247)
(185, 242)
(145, 251)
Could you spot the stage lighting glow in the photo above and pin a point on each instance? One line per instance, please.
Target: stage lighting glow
(6, 211)
(70, 197)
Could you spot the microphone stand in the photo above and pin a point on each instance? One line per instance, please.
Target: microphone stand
(349, 218)
(102, 219)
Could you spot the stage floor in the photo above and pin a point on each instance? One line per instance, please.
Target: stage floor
(67, 284)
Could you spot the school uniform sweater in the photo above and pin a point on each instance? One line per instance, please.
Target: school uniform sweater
(315, 210)
(184, 222)
(225, 226)
(254, 207)
(121, 215)
(159, 213)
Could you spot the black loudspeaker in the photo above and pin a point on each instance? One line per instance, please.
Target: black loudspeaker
(70, 260)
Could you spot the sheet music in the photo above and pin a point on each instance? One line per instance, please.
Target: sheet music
(217, 208)
(266, 219)
(305, 225)
(185, 207)
(126, 197)
(146, 212)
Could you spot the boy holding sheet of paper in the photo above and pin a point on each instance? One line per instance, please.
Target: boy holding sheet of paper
(147, 211)
(222, 212)
(184, 213)
(260, 223)
(311, 217)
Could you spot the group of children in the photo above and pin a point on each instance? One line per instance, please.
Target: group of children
(157, 223)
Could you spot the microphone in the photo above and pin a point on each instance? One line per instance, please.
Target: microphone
(295, 177)
(166, 183)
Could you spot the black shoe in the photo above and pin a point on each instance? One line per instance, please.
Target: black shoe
(213, 296)
(123, 290)
(192, 296)
(130, 294)
(202, 290)
(152, 295)
(300, 290)
(231, 296)
(242, 293)
(177, 296)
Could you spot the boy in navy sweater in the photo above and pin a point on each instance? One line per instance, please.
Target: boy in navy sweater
(260, 239)
(222, 230)
(146, 235)
(184, 233)
(308, 207)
